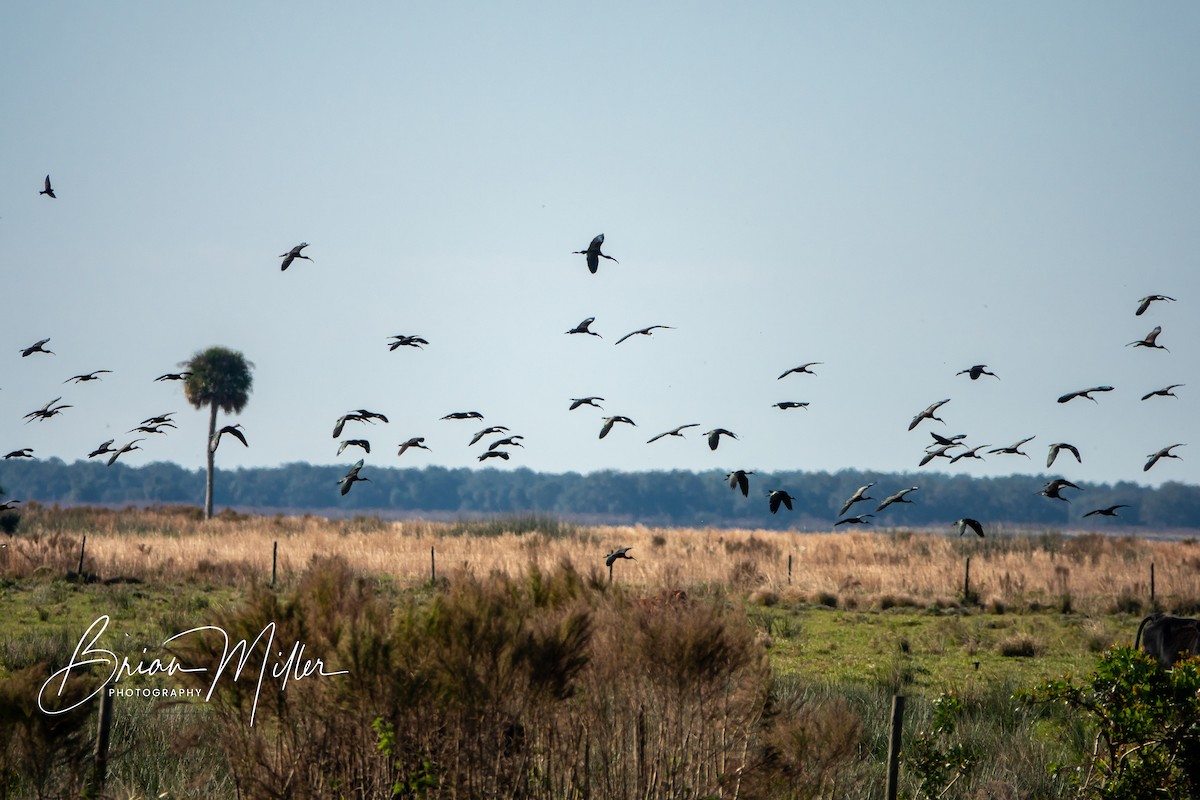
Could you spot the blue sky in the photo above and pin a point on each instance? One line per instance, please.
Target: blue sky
(897, 190)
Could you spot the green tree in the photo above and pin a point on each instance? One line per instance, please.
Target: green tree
(220, 379)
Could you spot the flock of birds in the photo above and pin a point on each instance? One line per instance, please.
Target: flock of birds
(953, 448)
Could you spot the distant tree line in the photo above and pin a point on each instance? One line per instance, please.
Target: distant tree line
(652, 498)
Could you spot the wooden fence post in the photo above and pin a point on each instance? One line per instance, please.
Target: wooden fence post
(893, 758)
(1151, 583)
(432, 566)
(789, 569)
(103, 727)
(967, 582)
(82, 548)
(274, 561)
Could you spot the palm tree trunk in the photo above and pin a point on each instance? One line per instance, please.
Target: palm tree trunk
(208, 452)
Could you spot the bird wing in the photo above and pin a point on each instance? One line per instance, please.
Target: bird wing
(593, 262)
(288, 258)
(608, 424)
(774, 501)
(237, 434)
(626, 336)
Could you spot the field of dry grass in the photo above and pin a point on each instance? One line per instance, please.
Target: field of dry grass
(1092, 573)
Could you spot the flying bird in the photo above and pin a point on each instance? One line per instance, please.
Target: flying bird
(947, 441)
(415, 441)
(507, 441)
(106, 447)
(363, 443)
(1163, 392)
(486, 432)
(859, 495)
(976, 371)
(583, 327)
(594, 255)
(971, 453)
(941, 451)
(351, 477)
(1059, 446)
(370, 415)
(47, 411)
(1054, 487)
(929, 413)
(234, 431)
(1013, 449)
(648, 330)
(161, 419)
(714, 437)
(406, 341)
(973, 524)
(173, 376)
(493, 454)
(777, 497)
(738, 479)
(351, 417)
(1111, 511)
(1145, 302)
(786, 404)
(48, 190)
(8, 505)
(1164, 453)
(87, 376)
(24, 452)
(802, 369)
(620, 552)
(1069, 396)
(292, 255)
(128, 447)
(36, 347)
(673, 432)
(898, 497)
(857, 519)
(610, 421)
(576, 402)
(153, 428)
(464, 415)
(1151, 340)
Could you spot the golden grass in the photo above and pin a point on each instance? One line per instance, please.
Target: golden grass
(858, 569)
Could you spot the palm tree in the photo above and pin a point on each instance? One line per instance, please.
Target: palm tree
(220, 378)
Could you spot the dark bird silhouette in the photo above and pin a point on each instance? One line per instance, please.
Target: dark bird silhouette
(8, 505)
(233, 430)
(739, 479)
(714, 437)
(152, 428)
(594, 255)
(973, 524)
(860, 494)
(620, 552)
(487, 432)
(24, 452)
(1059, 446)
(610, 421)
(1164, 453)
(507, 441)
(47, 411)
(1013, 449)
(173, 376)
(1145, 302)
(1054, 487)
(976, 371)
(1069, 396)
(161, 419)
(415, 441)
(971, 453)
(941, 451)
(647, 331)
(128, 447)
(929, 413)
(363, 443)
(583, 327)
(673, 432)
(802, 369)
(576, 402)
(947, 441)
(87, 376)
(370, 415)
(1163, 392)
(292, 255)
(1151, 340)
(106, 447)
(406, 341)
(857, 519)
(351, 477)
(1111, 511)
(36, 347)
(351, 417)
(898, 497)
(48, 189)
(778, 497)
(494, 454)
(464, 415)
(786, 404)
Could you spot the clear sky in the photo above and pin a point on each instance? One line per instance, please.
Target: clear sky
(897, 190)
